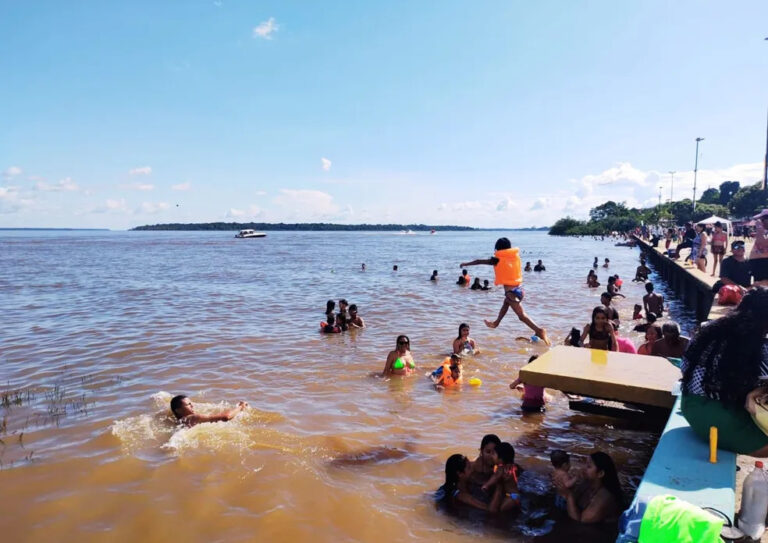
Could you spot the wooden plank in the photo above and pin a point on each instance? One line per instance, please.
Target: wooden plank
(623, 377)
(680, 466)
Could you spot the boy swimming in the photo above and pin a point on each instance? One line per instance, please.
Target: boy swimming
(508, 272)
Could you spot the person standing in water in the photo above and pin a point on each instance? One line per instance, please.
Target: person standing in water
(400, 361)
(184, 411)
(463, 344)
(508, 272)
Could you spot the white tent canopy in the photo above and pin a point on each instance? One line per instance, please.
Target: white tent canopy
(714, 218)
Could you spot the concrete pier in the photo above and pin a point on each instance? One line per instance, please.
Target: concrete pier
(694, 287)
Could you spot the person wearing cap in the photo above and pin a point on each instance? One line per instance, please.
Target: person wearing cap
(735, 269)
(758, 257)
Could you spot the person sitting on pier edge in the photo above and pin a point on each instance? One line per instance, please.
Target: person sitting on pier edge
(688, 238)
(734, 270)
(724, 370)
(613, 314)
(671, 344)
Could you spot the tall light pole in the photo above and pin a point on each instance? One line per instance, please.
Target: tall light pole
(765, 164)
(695, 170)
(672, 186)
(659, 198)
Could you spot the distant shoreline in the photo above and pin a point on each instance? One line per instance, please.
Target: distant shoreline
(58, 229)
(220, 226)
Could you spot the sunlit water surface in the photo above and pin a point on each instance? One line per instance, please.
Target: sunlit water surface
(100, 329)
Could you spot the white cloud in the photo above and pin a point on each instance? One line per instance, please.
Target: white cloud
(251, 213)
(152, 207)
(12, 171)
(143, 170)
(305, 205)
(265, 29)
(326, 164)
(64, 185)
(540, 203)
(140, 186)
(507, 204)
(11, 200)
(110, 206)
(181, 186)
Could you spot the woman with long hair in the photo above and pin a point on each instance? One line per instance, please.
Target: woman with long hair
(725, 368)
(463, 344)
(600, 332)
(652, 334)
(601, 499)
(400, 361)
(455, 490)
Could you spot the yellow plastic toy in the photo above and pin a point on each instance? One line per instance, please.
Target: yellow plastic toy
(475, 382)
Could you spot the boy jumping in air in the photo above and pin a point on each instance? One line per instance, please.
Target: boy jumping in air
(508, 272)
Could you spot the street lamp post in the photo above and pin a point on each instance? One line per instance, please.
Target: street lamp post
(695, 171)
(659, 198)
(672, 186)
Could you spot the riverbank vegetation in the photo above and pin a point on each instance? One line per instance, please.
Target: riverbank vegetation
(730, 200)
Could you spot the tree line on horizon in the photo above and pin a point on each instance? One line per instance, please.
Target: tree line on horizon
(730, 201)
(318, 226)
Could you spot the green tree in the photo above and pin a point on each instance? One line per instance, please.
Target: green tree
(682, 210)
(748, 201)
(704, 211)
(710, 196)
(727, 190)
(567, 227)
(606, 210)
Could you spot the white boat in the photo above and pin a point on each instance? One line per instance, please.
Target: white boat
(250, 234)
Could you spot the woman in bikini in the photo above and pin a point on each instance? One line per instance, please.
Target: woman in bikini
(600, 331)
(400, 361)
(718, 245)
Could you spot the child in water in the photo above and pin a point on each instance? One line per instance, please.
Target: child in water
(485, 464)
(449, 374)
(330, 325)
(533, 396)
(508, 272)
(637, 314)
(561, 461)
(506, 495)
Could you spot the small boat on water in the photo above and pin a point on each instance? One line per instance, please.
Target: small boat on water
(250, 234)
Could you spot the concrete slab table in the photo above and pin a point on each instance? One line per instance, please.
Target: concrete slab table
(646, 380)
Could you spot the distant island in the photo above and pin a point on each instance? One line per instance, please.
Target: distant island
(317, 226)
(60, 229)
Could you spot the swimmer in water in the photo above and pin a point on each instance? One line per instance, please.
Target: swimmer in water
(355, 321)
(400, 361)
(506, 495)
(451, 373)
(463, 344)
(506, 266)
(184, 411)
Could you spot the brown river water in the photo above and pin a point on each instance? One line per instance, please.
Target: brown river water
(100, 329)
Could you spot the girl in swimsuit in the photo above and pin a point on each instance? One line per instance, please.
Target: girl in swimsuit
(700, 248)
(600, 331)
(463, 344)
(719, 243)
(400, 361)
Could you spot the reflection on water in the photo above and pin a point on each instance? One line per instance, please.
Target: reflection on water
(97, 323)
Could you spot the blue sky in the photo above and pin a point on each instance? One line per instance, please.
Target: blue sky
(491, 114)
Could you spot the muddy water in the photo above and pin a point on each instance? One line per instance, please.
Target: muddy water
(100, 329)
